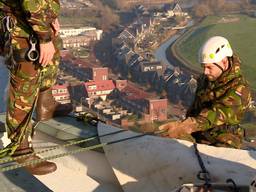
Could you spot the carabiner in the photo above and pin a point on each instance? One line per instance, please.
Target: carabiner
(33, 53)
(8, 23)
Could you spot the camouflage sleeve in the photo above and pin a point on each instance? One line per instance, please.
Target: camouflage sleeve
(40, 14)
(228, 109)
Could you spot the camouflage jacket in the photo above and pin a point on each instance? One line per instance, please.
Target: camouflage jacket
(31, 16)
(223, 101)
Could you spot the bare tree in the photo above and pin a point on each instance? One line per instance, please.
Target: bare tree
(202, 10)
(106, 14)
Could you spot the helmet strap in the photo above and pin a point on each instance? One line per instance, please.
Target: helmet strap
(219, 67)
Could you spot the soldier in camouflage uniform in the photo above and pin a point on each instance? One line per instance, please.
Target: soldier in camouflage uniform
(222, 98)
(29, 76)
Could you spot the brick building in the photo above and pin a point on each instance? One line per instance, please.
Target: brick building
(95, 89)
(157, 110)
(98, 73)
(139, 102)
(83, 70)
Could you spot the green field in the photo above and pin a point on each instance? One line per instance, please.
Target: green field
(240, 30)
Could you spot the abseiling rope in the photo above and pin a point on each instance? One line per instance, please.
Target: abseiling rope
(37, 161)
(10, 159)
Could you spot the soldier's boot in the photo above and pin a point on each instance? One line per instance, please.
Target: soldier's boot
(47, 107)
(42, 168)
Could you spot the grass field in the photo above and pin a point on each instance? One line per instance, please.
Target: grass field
(240, 30)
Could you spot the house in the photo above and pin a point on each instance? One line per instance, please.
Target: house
(135, 32)
(68, 32)
(148, 72)
(98, 89)
(77, 41)
(98, 73)
(82, 40)
(87, 92)
(126, 37)
(140, 102)
(156, 66)
(61, 94)
(84, 70)
(157, 110)
(170, 10)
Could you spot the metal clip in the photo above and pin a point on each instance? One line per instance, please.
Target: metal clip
(205, 176)
(33, 53)
(7, 23)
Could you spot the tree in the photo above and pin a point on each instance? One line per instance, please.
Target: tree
(202, 10)
(106, 14)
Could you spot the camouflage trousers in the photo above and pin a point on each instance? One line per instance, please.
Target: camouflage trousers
(25, 83)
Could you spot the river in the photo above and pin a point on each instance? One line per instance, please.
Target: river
(160, 53)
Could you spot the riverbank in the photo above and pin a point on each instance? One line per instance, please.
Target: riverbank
(167, 54)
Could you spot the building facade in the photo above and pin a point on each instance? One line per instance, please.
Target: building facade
(61, 94)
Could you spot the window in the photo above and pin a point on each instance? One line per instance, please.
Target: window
(91, 87)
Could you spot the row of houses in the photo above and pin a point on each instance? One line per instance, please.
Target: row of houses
(79, 37)
(142, 66)
(122, 94)
(96, 86)
(145, 23)
(147, 3)
(76, 4)
(127, 55)
(83, 70)
(138, 67)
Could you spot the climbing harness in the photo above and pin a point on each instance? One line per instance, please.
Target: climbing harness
(8, 25)
(34, 162)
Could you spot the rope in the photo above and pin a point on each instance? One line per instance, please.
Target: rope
(203, 174)
(10, 159)
(37, 161)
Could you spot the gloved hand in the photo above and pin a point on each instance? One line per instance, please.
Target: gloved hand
(178, 129)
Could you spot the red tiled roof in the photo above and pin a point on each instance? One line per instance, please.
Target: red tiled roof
(132, 92)
(100, 85)
(64, 86)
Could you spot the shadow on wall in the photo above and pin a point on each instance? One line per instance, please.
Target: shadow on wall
(160, 164)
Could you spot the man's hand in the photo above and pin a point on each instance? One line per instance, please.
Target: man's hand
(178, 129)
(56, 27)
(47, 51)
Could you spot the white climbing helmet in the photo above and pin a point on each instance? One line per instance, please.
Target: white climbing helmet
(214, 50)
